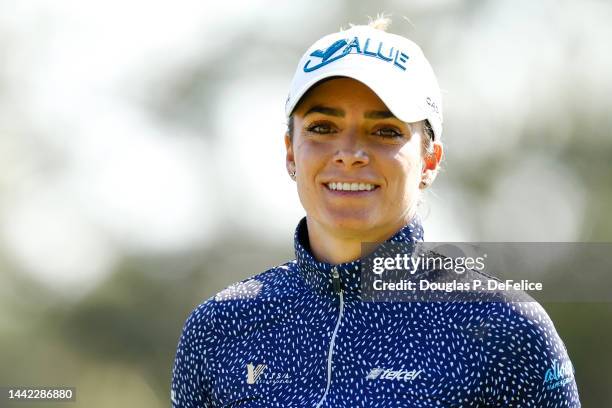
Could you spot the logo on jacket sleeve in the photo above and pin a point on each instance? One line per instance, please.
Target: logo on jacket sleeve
(387, 374)
(560, 373)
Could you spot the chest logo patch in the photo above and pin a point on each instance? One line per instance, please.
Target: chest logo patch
(259, 374)
(254, 371)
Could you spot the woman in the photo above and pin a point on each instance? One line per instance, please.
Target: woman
(363, 141)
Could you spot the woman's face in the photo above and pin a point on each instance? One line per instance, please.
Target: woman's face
(344, 134)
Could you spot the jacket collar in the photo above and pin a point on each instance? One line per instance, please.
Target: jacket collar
(318, 275)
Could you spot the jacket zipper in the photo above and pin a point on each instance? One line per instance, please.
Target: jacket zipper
(330, 353)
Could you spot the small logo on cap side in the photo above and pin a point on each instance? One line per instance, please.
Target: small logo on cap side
(432, 105)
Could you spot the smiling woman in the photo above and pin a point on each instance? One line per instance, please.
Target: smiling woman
(363, 141)
(358, 168)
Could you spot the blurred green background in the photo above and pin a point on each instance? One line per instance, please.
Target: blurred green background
(142, 165)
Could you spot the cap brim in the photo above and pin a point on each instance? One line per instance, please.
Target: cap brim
(407, 111)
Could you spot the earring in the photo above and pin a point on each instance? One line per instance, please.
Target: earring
(292, 174)
(425, 182)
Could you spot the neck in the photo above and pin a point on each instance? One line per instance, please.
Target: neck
(337, 246)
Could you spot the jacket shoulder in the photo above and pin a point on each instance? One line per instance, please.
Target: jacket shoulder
(272, 282)
(523, 347)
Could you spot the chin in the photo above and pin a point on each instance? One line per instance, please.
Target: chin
(352, 221)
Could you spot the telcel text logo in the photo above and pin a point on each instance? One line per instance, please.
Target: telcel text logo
(398, 375)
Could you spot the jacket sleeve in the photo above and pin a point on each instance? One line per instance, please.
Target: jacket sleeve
(191, 372)
(526, 362)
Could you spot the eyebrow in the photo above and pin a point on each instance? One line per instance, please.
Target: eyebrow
(326, 110)
(384, 114)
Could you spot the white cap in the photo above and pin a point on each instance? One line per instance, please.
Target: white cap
(391, 65)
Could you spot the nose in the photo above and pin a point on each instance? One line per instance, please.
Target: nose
(351, 153)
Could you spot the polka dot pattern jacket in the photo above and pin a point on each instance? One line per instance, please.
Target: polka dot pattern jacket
(299, 335)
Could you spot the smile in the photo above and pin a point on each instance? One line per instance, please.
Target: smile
(339, 186)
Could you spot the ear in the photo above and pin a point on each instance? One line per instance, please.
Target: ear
(431, 165)
(289, 158)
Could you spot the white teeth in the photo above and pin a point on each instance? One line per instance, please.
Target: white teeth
(351, 186)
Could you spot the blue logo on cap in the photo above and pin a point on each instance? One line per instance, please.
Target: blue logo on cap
(342, 48)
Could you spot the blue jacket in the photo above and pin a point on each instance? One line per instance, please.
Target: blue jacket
(299, 335)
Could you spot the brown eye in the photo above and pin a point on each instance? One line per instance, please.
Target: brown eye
(388, 132)
(320, 128)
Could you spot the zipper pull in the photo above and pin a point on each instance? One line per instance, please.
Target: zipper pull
(336, 280)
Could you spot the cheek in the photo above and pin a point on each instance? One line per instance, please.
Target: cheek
(404, 169)
(310, 159)
(310, 156)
